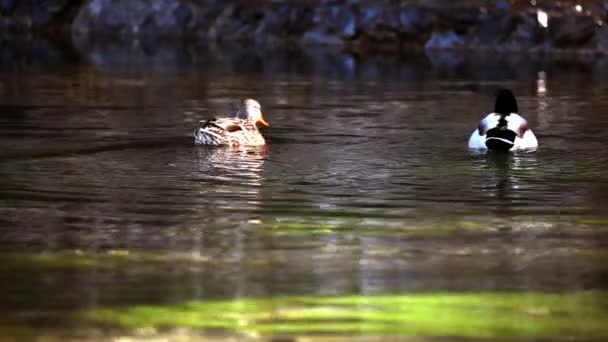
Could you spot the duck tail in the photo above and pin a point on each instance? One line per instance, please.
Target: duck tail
(204, 136)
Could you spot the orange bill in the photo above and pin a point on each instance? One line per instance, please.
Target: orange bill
(263, 122)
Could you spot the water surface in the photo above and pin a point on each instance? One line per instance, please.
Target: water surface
(365, 188)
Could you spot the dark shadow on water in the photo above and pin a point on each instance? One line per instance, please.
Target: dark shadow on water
(137, 56)
(510, 171)
(41, 51)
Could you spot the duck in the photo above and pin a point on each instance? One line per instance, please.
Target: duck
(240, 130)
(504, 129)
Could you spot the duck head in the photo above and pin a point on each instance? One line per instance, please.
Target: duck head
(500, 134)
(252, 111)
(505, 102)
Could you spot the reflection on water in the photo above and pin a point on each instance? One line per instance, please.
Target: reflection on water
(366, 185)
(228, 164)
(508, 177)
(234, 177)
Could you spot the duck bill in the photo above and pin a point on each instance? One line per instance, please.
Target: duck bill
(262, 122)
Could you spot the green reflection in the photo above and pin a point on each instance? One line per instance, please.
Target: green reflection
(108, 260)
(595, 221)
(482, 315)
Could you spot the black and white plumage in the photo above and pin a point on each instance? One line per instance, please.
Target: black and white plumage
(240, 130)
(504, 129)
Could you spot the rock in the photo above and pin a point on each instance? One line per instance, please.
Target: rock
(165, 19)
(118, 15)
(184, 16)
(601, 40)
(285, 21)
(331, 25)
(300, 19)
(81, 23)
(571, 30)
(224, 24)
(319, 37)
(249, 18)
(495, 29)
(502, 5)
(369, 25)
(132, 17)
(379, 24)
(368, 16)
(447, 60)
(527, 32)
(237, 22)
(40, 12)
(115, 16)
(342, 21)
(148, 28)
(446, 40)
(459, 19)
(274, 24)
(7, 6)
(414, 20)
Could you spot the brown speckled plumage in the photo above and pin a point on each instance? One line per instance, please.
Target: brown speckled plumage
(229, 132)
(241, 130)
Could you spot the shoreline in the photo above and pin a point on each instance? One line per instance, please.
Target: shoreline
(352, 25)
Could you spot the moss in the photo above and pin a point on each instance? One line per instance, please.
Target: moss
(18, 332)
(435, 228)
(557, 316)
(593, 255)
(21, 261)
(595, 221)
(79, 260)
(302, 228)
(451, 224)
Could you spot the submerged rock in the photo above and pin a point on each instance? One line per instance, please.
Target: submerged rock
(320, 37)
(571, 30)
(445, 41)
(494, 30)
(527, 32)
(601, 40)
(416, 20)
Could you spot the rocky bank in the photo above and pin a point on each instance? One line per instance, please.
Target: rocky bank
(500, 25)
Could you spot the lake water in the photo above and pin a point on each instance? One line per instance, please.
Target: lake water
(366, 186)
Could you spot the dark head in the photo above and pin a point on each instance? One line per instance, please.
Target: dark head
(505, 102)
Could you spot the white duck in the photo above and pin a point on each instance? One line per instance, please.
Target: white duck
(240, 130)
(504, 129)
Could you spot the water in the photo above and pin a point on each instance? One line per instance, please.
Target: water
(366, 186)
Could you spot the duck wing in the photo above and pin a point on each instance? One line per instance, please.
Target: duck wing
(229, 125)
(228, 131)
